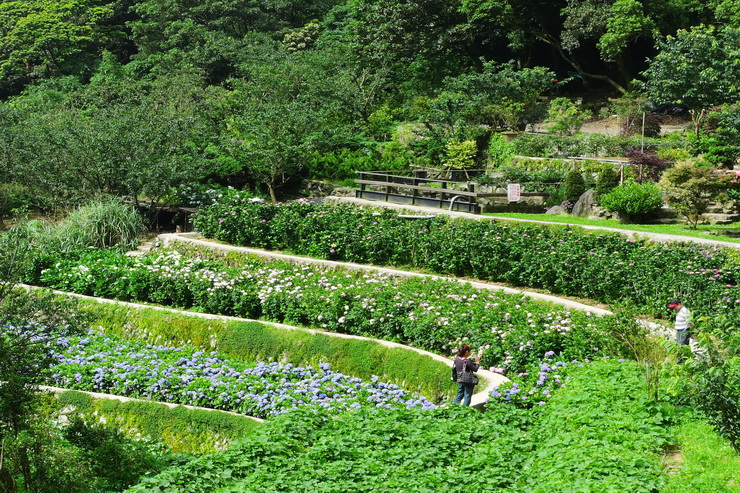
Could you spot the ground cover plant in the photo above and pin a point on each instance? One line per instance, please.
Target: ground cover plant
(106, 364)
(180, 429)
(431, 314)
(590, 436)
(606, 267)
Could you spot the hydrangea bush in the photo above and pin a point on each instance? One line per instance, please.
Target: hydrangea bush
(101, 363)
(427, 313)
(605, 267)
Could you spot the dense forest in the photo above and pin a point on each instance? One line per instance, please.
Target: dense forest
(135, 97)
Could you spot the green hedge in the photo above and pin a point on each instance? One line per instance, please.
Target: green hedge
(606, 267)
(253, 341)
(181, 429)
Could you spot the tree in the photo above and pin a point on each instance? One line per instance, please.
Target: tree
(115, 135)
(689, 188)
(566, 117)
(42, 38)
(698, 68)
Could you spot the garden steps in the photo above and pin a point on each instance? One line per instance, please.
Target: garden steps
(121, 398)
(143, 248)
(478, 401)
(657, 237)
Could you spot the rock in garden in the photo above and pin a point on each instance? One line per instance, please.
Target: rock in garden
(585, 205)
(556, 210)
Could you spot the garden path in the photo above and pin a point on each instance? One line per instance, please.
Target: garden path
(479, 399)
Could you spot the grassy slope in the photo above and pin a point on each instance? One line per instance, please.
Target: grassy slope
(703, 231)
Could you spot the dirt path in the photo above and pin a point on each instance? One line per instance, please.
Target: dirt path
(611, 126)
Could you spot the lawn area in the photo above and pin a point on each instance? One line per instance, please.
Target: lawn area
(703, 231)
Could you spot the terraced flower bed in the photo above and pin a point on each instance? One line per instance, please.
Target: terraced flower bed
(430, 314)
(607, 267)
(106, 364)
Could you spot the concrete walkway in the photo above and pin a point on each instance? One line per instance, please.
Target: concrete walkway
(656, 237)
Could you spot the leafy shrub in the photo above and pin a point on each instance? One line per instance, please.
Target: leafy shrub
(606, 181)
(460, 154)
(406, 310)
(634, 201)
(417, 451)
(690, 187)
(566, 117)
(596, 266)
(199, 194)
(714, 386)
(574, 186)
(598, 433)
(116, 460)
(647, 165)
(13, 197)
(500, 151)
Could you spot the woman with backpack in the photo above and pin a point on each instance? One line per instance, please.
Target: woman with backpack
(463, 372)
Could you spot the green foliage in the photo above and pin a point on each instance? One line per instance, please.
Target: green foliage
(102, 223)
(714, 386)
(574, 186)
(707, 462)
(498, 96)
(689, 187)
(606, 181)
(566, 117)
(500, 152)
(635, 202)
(16, 255)
(43, 38)
(460, 154)
(593, 145)
(416, 452)
(592, 435)
(114, 136)
(625, 23)
(587, 435)
(251, 341)
(116, 461)
(695, 67)
(505, 252)
(179, 428)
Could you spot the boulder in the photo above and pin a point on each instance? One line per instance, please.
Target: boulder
(556, 210)
(584, 207)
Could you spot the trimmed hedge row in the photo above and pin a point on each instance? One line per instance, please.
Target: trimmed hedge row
(252, 341)
(606, 267)
(181, 429)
